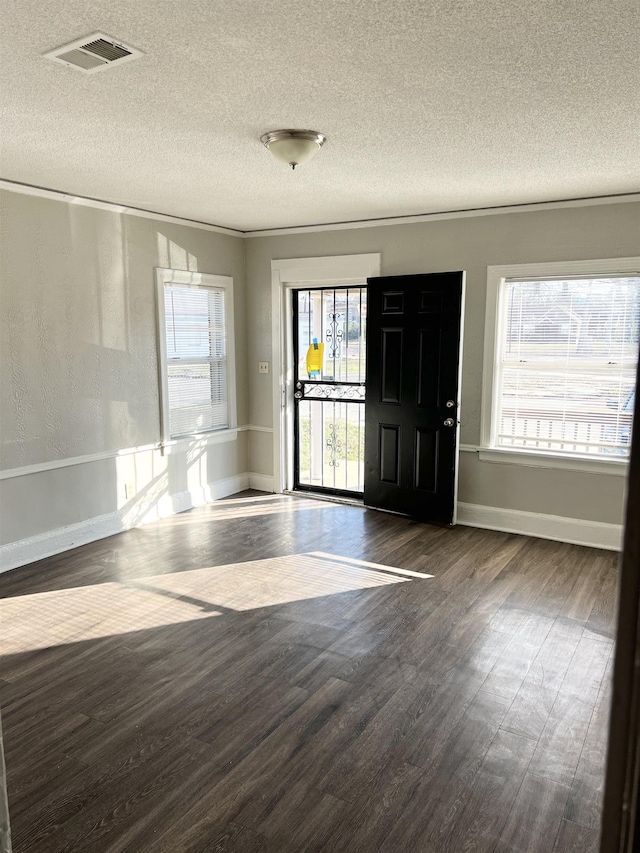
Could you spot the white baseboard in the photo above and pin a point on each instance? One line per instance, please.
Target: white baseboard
(261, 482)
(595, 534)
(56, 541)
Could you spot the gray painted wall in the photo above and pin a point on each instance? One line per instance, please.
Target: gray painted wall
(472, 244)
(78, 359)
(79, 365)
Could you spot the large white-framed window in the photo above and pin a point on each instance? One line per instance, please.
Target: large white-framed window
(561, 349)
(196, 354)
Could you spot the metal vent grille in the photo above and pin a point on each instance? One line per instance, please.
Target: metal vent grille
(93, 53)
(81, 59)
(106, 49)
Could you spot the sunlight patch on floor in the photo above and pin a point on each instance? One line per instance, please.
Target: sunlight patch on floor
(229, 510)
(39, 620)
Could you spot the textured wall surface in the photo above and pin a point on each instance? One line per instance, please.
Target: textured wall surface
(78, 364)
(50, 500)
(78, 350)
(78, 346)
(471, 244)
(570, 494)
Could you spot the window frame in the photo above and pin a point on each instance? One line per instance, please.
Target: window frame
(198, 280)
(497, 276)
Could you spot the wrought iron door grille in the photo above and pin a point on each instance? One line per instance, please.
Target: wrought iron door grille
(329, 388)
(330, 391)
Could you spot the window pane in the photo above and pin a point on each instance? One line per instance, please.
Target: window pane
(334, 321)
(187, 322)
(567, 365)
(196, 359)
(197, 397)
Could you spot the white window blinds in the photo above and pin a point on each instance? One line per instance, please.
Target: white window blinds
(566, 361)
(195, 329)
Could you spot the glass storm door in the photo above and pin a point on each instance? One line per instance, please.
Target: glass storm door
(329, 342)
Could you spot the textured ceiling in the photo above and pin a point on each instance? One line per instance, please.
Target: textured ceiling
(428, 105)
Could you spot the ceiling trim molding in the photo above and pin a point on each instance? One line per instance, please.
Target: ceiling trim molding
(528, 207)
(448, 214)
(85, 201)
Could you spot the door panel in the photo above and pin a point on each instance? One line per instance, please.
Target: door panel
(389, 453)
(413, 367)
(428, 368)
(392, 302)
(391, 365)
(430, 302)
(426, 459)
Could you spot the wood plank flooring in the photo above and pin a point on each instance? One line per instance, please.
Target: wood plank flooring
(273, 673)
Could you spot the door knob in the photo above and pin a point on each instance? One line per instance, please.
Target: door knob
(450, 404)
(449, 422)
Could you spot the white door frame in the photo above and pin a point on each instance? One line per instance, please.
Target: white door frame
(287, 274)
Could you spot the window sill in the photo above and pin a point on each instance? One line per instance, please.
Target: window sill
(198, 440)
(617, 467)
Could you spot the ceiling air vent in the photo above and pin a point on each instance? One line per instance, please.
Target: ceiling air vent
(93, 53)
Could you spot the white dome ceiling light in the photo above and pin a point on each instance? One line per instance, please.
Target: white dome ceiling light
(293, 146)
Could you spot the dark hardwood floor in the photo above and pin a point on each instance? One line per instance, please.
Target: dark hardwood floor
(272, 673)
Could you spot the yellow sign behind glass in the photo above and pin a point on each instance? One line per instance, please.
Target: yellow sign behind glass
(315, 359)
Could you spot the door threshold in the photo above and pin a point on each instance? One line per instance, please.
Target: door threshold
(319, 496)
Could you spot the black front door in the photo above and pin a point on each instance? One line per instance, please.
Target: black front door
(413, 373)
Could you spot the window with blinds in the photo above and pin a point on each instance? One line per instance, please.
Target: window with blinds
(196, 358)
(565, 365)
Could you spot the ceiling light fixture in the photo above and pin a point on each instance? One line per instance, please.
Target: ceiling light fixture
(293, 146)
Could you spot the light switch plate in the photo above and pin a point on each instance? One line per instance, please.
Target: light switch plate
(263, 367)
